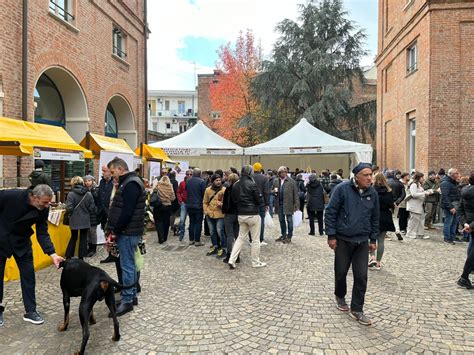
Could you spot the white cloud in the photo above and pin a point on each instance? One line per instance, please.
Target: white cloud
(175, 20)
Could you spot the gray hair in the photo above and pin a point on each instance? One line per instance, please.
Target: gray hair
(452, 171)
(247, 170)
(118, 162)
(282, 168)
(197, 172)
(42, 190)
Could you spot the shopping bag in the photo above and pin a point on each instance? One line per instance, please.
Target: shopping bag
(268, 220)
(138, 260)
(297, 219)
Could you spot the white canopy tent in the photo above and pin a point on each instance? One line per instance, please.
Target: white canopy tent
(304, 146)
(202, 148)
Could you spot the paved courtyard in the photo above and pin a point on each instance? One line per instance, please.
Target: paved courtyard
(193, 303)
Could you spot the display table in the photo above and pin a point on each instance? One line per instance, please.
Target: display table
(60, 236)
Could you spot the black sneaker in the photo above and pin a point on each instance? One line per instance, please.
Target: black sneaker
(33, 317)
(465, 283)
(286, 241)
(449, 242)
(399, 235)
(124, 308)
(135, 302)
(282, 238)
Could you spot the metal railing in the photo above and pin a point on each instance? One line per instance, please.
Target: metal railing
(59, 11)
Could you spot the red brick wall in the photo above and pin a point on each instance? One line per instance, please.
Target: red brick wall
(440, 91)
(86, 55)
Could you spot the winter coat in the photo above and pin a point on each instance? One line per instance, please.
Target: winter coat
(433, 185)
(213, 208)
(449, 193)
(95, 217)
(386, 204)
(301, 188)
(166, 193)
(182, 194)
(228, 205)
(175, 203)
(195, 187)
(415, 204)
(247, 196)
(38, 177)
(333, 184)
(352, 215)
(80, 214)
(398, 190)
(315, 194)
(263, 186)
(291, 200)
(325, 181)
(105, 191)
(466, 208)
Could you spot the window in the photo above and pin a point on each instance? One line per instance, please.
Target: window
(412, 53)
(215, 115)
(182, 127)
(412, 143)
(155, 126)
(118, 39)
(62, 9)
(181, 109)
(167, 105)
(49, 106)
(111, 129)
(168, 125)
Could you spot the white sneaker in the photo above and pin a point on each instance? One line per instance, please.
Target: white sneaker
(263, 243)
(411, 236)
(425, 237)
(259, 264)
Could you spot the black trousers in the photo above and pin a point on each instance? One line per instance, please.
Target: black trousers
(162, 222)
(28, 281)
(469, 264)
(355, 254)
(403, 216)
(312, 216)
(71, 247)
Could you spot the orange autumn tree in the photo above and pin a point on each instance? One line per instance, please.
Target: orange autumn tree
(230, 94)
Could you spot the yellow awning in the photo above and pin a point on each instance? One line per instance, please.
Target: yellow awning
(98, 143)
(18, 137)
(153, 153)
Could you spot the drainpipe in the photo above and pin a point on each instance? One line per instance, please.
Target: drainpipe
(24, 79)
(145, 47)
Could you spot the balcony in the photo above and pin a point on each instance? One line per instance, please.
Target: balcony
(173, 113)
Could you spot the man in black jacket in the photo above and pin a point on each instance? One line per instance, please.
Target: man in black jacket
(38, 176)
(31, 207)
(450, 197)
(247, 197)
(263, 186)
(106, 186)
(398, 192)
(126, 217)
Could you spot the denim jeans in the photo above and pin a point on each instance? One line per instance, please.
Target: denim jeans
(216, 227)
(283, 223)
(450, 225)
(469, 246)
(183, 213)
(271, 202)
(127, 244)
(231, 224)
(195, 223)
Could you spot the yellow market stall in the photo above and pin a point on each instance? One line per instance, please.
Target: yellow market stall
(150, 154)
(22, 138)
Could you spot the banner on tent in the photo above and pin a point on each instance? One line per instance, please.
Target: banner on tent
(181, 151)
(221, 151)
(305, 150)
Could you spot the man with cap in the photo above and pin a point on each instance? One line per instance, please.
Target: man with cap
(352, 226)
(263, 186)
(38, 176)
(431, 201)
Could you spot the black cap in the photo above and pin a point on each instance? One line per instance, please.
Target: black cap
(39, 164)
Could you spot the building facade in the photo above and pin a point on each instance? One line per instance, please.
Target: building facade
(172, 111)
(85, 68)
(425, 91)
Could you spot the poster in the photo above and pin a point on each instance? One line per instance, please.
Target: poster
(105, 157)
(180, 169)
(155, 169)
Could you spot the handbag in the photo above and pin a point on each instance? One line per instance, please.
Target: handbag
(67, 215)
(155, 200)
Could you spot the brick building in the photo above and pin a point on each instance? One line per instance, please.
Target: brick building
(85, 68)
(425, 91)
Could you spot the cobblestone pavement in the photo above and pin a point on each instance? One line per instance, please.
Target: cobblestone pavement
(193, 303)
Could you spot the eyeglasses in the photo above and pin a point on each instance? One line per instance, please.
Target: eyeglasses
(189, 174)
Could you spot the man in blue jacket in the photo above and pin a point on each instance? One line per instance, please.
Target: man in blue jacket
(195, 187)
(352, 220)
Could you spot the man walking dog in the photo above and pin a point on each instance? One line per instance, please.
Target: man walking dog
(19, 211)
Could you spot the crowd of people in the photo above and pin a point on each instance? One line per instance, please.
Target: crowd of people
(357, 215)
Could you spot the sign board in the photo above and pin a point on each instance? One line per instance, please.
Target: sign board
(305, 150)
(155, 169)
(106, 156)
(181, 151)
(54, 155)
(220, 151)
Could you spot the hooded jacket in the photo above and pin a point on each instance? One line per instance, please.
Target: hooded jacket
(38, 177)
(315, 194)
(466, 208)
(449, 193)
(386, 204)
(80, 212)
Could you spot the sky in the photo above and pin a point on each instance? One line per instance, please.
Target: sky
(186, 34)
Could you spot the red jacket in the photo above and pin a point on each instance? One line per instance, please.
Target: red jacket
(182, 193)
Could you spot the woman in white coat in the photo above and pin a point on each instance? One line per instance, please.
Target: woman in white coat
(415, 200)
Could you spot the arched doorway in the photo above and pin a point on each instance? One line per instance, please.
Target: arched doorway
(119, 121)
(60, 101)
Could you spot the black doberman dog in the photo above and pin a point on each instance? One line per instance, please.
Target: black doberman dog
(79, 279)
